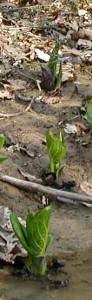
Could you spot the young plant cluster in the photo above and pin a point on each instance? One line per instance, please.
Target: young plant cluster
(34, 237)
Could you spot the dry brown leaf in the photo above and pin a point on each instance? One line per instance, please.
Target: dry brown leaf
(17, 84)
(72, 51)
(86, 44)
(5, 94)
(42, 55)
(10, 247)
(86, 187)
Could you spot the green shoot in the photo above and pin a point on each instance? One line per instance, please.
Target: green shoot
(2, 141)
(53, 64)
(58, 78)
(34, 237)
(56, 150)
(89, 112)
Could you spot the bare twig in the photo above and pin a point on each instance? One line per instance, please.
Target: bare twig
(45, 189)
(2, 115)
(30, 177)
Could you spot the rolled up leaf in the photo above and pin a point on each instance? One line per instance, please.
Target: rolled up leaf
(20, 231)
(56, 150)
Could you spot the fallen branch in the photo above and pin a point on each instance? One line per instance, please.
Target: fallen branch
(45, 189)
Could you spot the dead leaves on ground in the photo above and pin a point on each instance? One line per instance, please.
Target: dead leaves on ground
(86, 187)
(4, 94)
(10, 248)
(36, 29)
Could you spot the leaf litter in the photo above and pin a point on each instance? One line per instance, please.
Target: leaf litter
(10, 248)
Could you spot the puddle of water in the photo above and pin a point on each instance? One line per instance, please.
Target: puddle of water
(79, 275)
(78, 262)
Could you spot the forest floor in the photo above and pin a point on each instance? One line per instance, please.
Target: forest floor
(27, 34)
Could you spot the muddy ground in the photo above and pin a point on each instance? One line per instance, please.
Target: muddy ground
(71, 225)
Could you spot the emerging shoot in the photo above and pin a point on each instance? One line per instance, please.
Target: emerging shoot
(56, 150)
(2, 141)
(35, 238)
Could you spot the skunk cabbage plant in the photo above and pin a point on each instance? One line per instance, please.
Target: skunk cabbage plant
(56, 149)
(34, 237)
(53, 63)
(52, 73)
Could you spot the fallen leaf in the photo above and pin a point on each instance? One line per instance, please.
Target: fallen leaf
(10, 247)
(88, 33)
(17, 84)
(75, 26)
(68, 72)
(5, 94)
(72, 51)
(69, 128)
(43, 56)
(82, 12)
(86, 44)
(86, 187)
(87, 204)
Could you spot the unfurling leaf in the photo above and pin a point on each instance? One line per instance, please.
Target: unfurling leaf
(20, 231)
(47, 82)
(56, 149)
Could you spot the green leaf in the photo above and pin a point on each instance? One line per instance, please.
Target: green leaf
(56, 150)
(59, 77)
(2, 158)
(2, 140)
(28, 221)
(49, 241)
(37, 231)
(89, 112)
(20, 231)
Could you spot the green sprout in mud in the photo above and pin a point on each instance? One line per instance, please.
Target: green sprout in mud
(2, 141)
(34, 237)
(89, 112)
(56, 150)
(55, 64)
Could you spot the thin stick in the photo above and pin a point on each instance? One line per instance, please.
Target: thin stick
(2, 116)
(44, 189)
